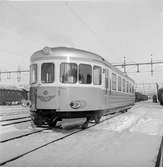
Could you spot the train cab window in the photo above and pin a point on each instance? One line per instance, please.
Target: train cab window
(33, 73)
(124, 85)
(97, 76)
(119, 83)
(85, 74)
(114, 82)
(47, 73)
(68, 72)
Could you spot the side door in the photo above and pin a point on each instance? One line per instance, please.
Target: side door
(106, 86)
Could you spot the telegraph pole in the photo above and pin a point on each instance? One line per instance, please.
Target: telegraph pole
(124, 64)
(137, 65)
(151, 66)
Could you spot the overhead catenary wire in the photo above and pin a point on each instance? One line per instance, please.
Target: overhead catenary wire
(86, 25)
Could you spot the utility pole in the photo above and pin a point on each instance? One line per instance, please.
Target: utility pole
(137, 65)
(124, 64)
(151, 66)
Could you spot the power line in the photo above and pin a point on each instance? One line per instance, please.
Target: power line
(80, 19)
(137, 65)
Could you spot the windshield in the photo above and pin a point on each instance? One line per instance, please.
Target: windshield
(68, 73)
(33, 73)
(47, 73)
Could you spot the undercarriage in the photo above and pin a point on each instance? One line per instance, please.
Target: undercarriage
(51, 117)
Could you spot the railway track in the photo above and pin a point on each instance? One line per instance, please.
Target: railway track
(21, 136)
(44, 144)
(13, 119)
(12, 113)
(15, 122)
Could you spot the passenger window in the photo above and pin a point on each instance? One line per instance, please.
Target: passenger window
(47, 73)
(85, 74)
(33, 73)
(106, 78)
(97, 77)
(119, 83)
(114, 83)
(130, 89)
(68, 72)
(123, 85)
(127, 87)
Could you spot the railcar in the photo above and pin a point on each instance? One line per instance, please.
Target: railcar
(140, 97)
(11, 95)
(73, 83)
(154, 98)
(160, 96)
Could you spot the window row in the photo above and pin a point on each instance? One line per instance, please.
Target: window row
(82, 73)
(123, 85)
(69, 73)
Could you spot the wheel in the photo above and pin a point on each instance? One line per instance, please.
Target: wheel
(37, 119)
(52, 122)
(85, 125)
(97, 118)
(123, 111)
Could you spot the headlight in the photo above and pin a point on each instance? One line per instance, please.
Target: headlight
(75, 104)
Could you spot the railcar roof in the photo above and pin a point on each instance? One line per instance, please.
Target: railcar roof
(47, 53)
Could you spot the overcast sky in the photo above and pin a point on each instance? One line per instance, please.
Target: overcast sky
(112, 28)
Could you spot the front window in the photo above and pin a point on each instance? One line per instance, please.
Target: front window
(68, 72)
(33, 73)
(85, 74)
(47, 73)
(97, 80)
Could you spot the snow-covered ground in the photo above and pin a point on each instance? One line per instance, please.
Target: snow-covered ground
(131, 139)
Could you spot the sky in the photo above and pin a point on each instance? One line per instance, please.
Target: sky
(111, 28)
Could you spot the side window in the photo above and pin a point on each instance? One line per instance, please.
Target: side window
(119, 84)
(130, 88)
(97, 76)
(33, 73)
(47, 73)
(68, 72)
(114, 83)
(127, 87)
(85, 74)
(106, 78)
(124, 85)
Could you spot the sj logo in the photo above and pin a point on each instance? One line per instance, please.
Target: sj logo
(45, 97)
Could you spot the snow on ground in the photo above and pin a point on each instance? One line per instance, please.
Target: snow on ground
(144, 117)
(123, 122)
(131, 139)
(152, 122)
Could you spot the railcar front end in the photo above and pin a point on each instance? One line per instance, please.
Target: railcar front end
(70, 83)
